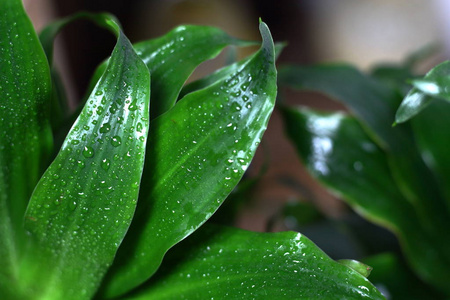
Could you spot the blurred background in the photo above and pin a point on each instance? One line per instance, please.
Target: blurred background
(363, 33)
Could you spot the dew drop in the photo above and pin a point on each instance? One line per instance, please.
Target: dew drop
(106, 127)
(72, 205)
(133, 106)
(106, 163)
(116, 141)
(88, 152)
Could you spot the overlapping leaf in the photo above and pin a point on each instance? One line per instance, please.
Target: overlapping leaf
(339, 153)
(84, 203)
(25, 135)
(219, 262)
(199, 151)
(173, 57)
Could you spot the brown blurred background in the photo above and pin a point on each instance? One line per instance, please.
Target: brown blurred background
(358, 32)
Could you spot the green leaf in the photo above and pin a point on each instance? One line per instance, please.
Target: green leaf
(359, 267)
(373, 103)
(396, 281)
(337, 151)
(228, 263)
(433, 85)
(26, 140)
(82, 207)
(173, 57)
(430, 128)
(413, 103)
(60, 107)
(199, 152)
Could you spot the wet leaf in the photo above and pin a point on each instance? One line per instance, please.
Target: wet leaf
(172, 58)
(219, 262)
(199, 152)
(84, 203)
(26, 140)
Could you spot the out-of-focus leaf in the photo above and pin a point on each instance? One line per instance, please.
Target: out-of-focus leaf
(189, 178)
(173, 57)
(374, 105)
(395, 76)
(432, 135)
(340, 154)
(219, 263)
(84, 203)
(396, 281)
(433, 85)
(25, 134)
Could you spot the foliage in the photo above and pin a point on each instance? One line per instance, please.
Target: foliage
(140, 170)
(394, 176)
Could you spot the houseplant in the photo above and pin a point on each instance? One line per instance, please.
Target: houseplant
(139, 171)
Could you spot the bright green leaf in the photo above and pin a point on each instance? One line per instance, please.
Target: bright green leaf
(199, 151)
(228, 263)
(82, 207)
(173, 57)
(26, 140)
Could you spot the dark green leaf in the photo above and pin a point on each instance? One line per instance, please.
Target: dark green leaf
(432, 136)
(339, 153)
(84, 203)
(25, 134)
(199, 152)
(396, 281)
(227, 263)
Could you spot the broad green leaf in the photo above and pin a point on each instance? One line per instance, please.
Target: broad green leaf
(83, 205)
(337, 151)
(25, 134)
(433, 85)
(199, 152)
(396, 281)
(229, 263)
(173, 57)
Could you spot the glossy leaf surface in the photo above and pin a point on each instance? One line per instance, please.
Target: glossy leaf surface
(173, 57)
(433, 85)
(339, 153)
(199, 152)
(84, 203)
(25, 135)
(228, 263)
